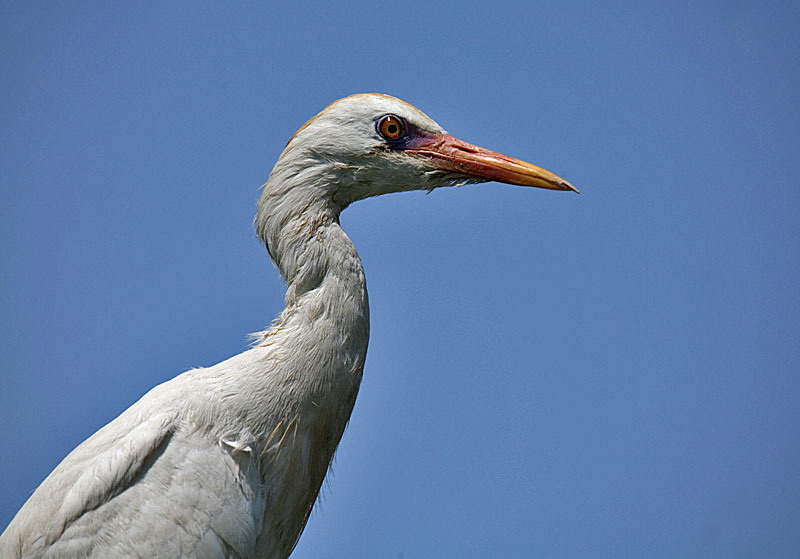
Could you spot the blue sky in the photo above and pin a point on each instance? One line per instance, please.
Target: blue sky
(613, 374)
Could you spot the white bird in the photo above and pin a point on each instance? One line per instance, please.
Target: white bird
(227, 461)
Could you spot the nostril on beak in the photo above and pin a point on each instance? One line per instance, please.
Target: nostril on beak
(466, 148)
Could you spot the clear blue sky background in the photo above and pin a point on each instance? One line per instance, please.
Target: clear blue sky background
(614, 374)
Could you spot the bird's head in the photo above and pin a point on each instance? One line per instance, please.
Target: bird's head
(370, 144)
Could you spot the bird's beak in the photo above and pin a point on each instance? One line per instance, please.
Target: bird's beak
(451, 154)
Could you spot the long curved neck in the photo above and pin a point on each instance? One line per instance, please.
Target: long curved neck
(326, 296)
(310, 362)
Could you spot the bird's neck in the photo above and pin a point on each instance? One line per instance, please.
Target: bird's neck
(326, 298)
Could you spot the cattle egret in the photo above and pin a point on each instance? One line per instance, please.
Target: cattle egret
(227, 461)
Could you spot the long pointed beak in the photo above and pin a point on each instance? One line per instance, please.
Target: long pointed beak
(454, 155)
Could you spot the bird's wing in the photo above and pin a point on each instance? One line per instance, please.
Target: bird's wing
(90, 476)
(143, 486)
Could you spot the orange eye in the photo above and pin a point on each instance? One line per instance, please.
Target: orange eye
(391, 127)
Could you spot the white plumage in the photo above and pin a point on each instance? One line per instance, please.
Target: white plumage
(227, 461)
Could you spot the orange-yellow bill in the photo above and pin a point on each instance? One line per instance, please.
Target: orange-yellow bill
(451, 154)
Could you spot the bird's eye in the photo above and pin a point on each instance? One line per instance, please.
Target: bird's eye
(391, 127)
